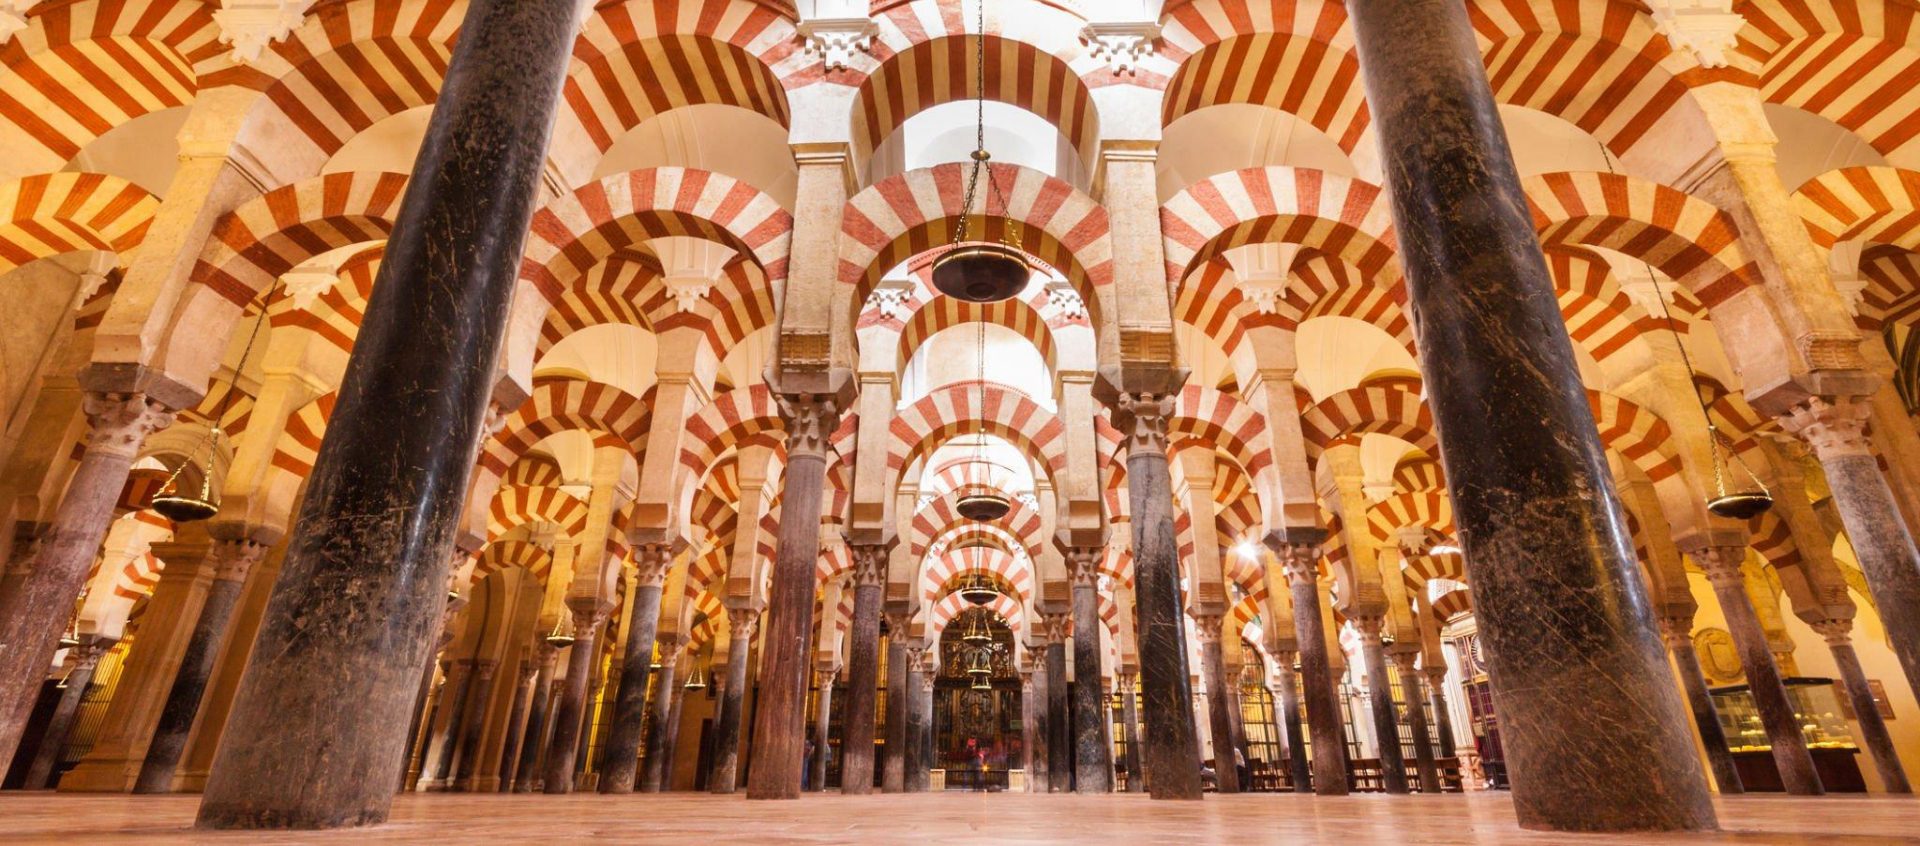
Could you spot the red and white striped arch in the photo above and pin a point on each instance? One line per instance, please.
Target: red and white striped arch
(336, 313)
(939, 614)
(1385, 406)
(501, 554)
(1348, 218)
(1430, 508)
(621, 78)
(300, 445)
(1879, 206)
(944, 312)
(80, 69)
(1453, 605)
(725, 424)
(1309, 70)
(534, 469)
(1848, 61)
(944, 69)
(939, 519)
(49, 214)
(1419, 474)
(922, 427)
(518, 505)
(560, 405)
(1218, 421)
(1689, 239)
(267, 236)
(1601, 66)
(913, 212)
(1639, 435)
(991, 552)
(1599, 316)
(629, 289)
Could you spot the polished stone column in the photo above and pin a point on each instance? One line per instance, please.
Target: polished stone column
(1301, 559)
(1173, 749)
(1866, 712)
(37, 606)
(1039, 764)
(415, 397)
(517, 714)
(1437, 699)
(234, 557)
(651, 561)
(1092, 753)
(863, 669)
(920, 724)
(539, 721)
(1386, 727)
(670, 741)
(822, 727)
(913, 774)
(1059, 721)
(1423, 763)
(1226, 777)
(723, 777)
(780, 723)
(82, 660)
(893, 767)
(454, 691)
(1558, 595)
(570, 713)
(1723, 566)
(1286, 709)
(1881, 539)
(1677, 631)
(1129, 732)
(474, 724)
(654, 773)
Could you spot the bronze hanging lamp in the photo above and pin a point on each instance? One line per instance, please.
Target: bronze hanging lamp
(978, 665)
(562, 635)
(982, 505)
(978, 270)
(186, 503)
(979, 588)
(697, 680)
(976, 632)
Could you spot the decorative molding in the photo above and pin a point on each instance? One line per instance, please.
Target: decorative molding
(890, 300)
(306, 284)
(248, 26)
(13, 17)
(1065, 303)
(1122, 44)
(688, 291)
(1705, 28)
(836, 40)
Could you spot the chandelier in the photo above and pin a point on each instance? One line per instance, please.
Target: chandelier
(976, 632)
(562, 635)
(184, 503)
(976, 270)
(979, 587)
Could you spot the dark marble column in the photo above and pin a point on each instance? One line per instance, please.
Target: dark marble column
(670, 741)
(1286, 709)
(1437, 699)
(82, 660)
(655, 772)
(916, 720)
(1723, 568)
(863, 669)
(1677, 631)
(1558, 594)
(652, 561)
(517, 714)
(539, 721)
(1092, 753)
(1026, 727)
(351, 620)
(1423, 763)
(570, 713)
(1873, 728)
(37, 606)
(474, 724)
(1059, 721)
(1836, 430)
(893, 771)
(1039, 764)
(453, 697)
(1129, 732)
(780, 721)
(1320, 694)
(723, 777)
(413, 765)
(822, 726)
(233, 557)
(1386, 726)
(1173, 748)
(1226, 778)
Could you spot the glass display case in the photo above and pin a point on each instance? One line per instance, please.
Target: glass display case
(1817, 705)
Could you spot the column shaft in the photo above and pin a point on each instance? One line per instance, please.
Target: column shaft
(1039, 764)
(453, 696)
(571, 712)
(1423, 763)
(414, 396)
(473, 725)
(1556, 590)
(630, 703)
(1437, 699)
(1092, 754)
(86, 658)
(1059, 722)
(1287, 709)
(822, 725)
(1386, 727)
(234, 558)
(1706, 718)
(1226, 777)
(893, 773)
(670, 741)
(517, 713)
(780, 724)
(919, 728)
(1790, 754)
(1873, 727)
(863, 679)
(539, 723)
(659, 710)
(1129, 731)
(724, 775)
(1321, 694)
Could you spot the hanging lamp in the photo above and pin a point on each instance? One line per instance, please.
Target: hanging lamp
(977, 631)
(981, 683)
(1735, 503)
(977, 665)
(187, 504)
(972, 269)
(697, 680)
(979, 587)
(982, 505)
(562, 635)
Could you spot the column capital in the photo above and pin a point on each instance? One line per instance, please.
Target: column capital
(1142, 421)
(742, 622)
(810, 421)
(1721, 563)
(1206, 627)
(1436, 675)
(233, 558)
(118, 423)
(1054, 626)
(651, 561)
(1083, 565)
(87, 655)
(1677, 630)
(897, 623)
(1834, 427)
(1404, 661)
(1300, 561)
(1837, 631)
(869, 563)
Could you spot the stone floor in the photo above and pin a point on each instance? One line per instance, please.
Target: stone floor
(947, 818)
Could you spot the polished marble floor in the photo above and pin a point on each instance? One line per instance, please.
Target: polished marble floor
(954, 818)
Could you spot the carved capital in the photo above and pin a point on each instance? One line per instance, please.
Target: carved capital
(233, 559)
(1122, 44)
(1206, 627)
(651, 561)
(1142, 420)
(1054, 626)
(810, 419)
(1436, 676)
(869, 564)
(742, 622)
(835, 41)
(1836, 631)
(87, 655)
(1721, 564)
(1676, 630)
(1083, 565)
(248, 26)
(1300, 561)
(1369, 626)
(1835, 427)
(1705, 28)
(119, 423)
(1403, 661)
